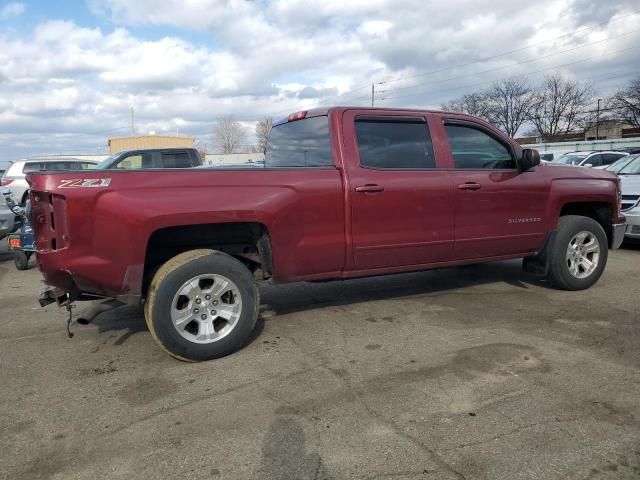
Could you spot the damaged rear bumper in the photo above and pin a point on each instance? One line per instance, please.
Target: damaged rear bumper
(54, 295)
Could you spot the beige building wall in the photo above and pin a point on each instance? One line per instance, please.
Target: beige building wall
(118, 144)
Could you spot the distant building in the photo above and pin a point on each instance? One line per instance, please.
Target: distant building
(233, 158)
(604, 130)
(118, 144)
(607, 129)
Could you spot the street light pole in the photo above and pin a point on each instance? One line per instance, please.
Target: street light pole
(598, 120)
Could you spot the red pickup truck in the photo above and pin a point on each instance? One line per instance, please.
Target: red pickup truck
(345, 192)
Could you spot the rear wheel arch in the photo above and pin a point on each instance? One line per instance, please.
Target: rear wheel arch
(249, 242)
(183, 337)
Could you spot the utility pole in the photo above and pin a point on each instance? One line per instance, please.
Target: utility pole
(132, 126)
(373, 93)
(598, 120)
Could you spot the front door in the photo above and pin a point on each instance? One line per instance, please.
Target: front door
(401, 205)
(499, 210)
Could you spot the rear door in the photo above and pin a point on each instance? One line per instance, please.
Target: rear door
(401, 203)
(499, 210)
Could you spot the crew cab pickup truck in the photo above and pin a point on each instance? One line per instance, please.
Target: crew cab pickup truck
(345, 192)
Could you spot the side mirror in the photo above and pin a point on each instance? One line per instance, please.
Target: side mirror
(588, 165)
(530, 158)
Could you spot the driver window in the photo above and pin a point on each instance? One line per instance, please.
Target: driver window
(473, 149)
(135, 161)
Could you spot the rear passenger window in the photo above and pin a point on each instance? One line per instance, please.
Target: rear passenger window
(31, 167)
(394, 143)
(176, 160)
(472, 148)
(300, 143)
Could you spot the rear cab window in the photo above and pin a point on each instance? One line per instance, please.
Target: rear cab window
(300, 143)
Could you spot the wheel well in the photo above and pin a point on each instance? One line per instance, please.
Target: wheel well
(601, 212)
(248, 242)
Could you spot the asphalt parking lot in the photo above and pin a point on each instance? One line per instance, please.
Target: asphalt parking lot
(473, 372)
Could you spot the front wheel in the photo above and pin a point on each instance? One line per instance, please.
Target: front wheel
(202, 304)
(579, 253)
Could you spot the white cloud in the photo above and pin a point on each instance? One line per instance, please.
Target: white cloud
(12, 10)
(67, 87)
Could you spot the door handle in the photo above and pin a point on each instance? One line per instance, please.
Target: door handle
(370, 188)
(470, 186)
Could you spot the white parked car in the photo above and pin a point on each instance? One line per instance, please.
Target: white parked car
(619, 164)
(596, 159)
(15, 176)
(630, 186)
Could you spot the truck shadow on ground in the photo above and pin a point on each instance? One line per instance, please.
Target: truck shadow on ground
(298, 297)
(129, 320)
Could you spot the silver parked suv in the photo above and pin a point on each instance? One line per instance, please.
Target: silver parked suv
(15, 176)
(596, 159)
(630, 186)
(7, 219)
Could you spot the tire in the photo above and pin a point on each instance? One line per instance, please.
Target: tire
(226, 294)
(21, 259)
(578, 240)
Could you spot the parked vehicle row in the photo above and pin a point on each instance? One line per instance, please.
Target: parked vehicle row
(15, 178)
(595, 159)
(630, 203)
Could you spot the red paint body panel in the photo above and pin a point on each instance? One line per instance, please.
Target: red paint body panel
(319, 225)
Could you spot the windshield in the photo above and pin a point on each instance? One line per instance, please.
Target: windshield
(571, 158)
(618, 164)
(632, 168)
(109, 160)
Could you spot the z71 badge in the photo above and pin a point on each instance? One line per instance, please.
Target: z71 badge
(85, 183)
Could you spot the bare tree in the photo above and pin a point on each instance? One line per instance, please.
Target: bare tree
(471, 104)
(202, 151)
(263, 133)
(628, 101)
(509, 103)
(228, 134)
(559, 105)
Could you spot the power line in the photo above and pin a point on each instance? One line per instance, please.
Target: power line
(498, 55)
(515, 76)
(531, 60)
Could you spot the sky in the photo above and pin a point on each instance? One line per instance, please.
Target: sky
(70, 72)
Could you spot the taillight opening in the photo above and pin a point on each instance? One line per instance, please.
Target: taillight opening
(6, 181)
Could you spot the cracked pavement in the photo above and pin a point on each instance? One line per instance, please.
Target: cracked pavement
(478, 372)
